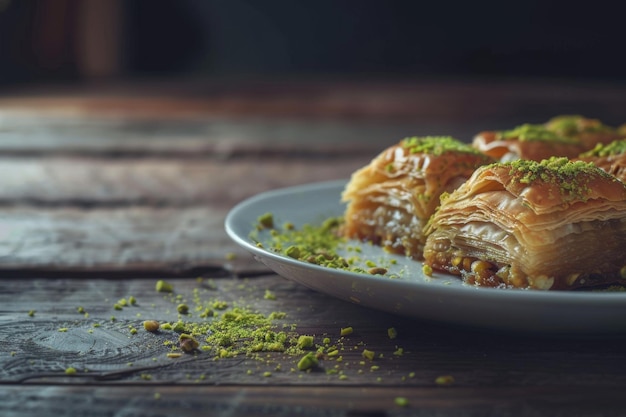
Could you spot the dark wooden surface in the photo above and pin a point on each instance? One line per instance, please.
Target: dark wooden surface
(105, 191)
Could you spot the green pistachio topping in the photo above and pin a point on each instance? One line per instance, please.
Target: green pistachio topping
(266, 220)
(308, 361)
(532, 132)
(616, 147)
(571, 176)
(436, 145)
(569, 125)
(163, 286)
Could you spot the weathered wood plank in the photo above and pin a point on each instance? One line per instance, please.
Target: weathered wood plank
(210, 136)
(398, 99)
(113, 182)
(35, 351)
(113, 239)
(223, 118)
(228, 401)
(76, 212)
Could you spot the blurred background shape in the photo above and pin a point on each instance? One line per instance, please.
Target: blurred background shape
(69, 41)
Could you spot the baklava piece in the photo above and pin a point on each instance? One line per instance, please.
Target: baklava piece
(392, 198)
(529, 141)
(610, 158)
(550, 225)
(589, 132)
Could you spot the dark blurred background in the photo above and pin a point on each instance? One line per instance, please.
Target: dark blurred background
(69, 41)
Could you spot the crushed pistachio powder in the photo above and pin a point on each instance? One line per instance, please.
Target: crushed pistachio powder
(437, 145)
(320, 244)
(617, 147)
(534, 132)
(572, 177)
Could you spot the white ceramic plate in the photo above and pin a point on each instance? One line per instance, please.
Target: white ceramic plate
(441, 298)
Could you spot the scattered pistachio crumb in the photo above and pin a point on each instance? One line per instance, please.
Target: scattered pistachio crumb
(427, 270)
(401, 401)
(63, 329)
(157, 395)
(368, 354)
(345, 331)
(444, 380)
(308, 361)
(151, 325)
(188, 343)
(267, 374)
(132, 300)
(230, 256)
(269, 295)
(266, 220)
(182, 308)
(305, 342)
(174, 355)
(392, 333)
(163, 286)
(80, 309)
(133, 330)
(31, 313)
(70, 371)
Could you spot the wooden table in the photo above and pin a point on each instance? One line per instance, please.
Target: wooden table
(105, 191)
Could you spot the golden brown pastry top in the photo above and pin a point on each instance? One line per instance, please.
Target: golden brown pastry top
(589, 132)
(553, 184)
(528, 141)
(609, 157)
(435, 159)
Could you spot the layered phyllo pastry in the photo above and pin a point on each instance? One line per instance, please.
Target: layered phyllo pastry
(529, 141)
(549, 225)
(611, 158)
(565, 135)
(392, 198)
(589, 132)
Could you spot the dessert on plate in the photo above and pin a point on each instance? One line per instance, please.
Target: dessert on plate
(391, 199)
(550, 225)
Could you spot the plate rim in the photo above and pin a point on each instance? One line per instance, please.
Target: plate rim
(234, 216)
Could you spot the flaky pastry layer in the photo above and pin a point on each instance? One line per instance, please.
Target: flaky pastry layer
(392, 198)
(550, 225)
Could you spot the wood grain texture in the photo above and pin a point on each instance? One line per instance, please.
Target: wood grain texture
(101, 182)
(207, 136)
(399, 99)
(229, 401)
(127, 238)
(35, 351)
(148, 213)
